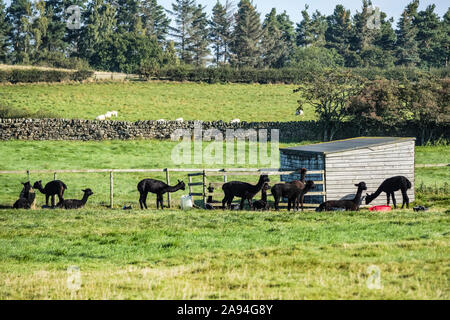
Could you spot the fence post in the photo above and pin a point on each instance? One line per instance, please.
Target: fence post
(28, 175)
(54, 176)
(224, 176)
(204, 188)
(168, 182)
(111, 189)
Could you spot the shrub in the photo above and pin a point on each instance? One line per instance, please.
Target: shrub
(40, 75)
(7, 112)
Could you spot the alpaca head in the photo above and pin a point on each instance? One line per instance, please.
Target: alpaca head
(303, 170)
(181, 185)
(361, 186)
(88, 192)
(38, 185)
(369, 198)
(210, 188)
(264, 178)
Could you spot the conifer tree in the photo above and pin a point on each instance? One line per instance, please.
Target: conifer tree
(4, 31)
(154, 19)
(407, 46)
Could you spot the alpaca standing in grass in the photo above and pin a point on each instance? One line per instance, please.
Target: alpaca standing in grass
(55, 187)
(389, 186)
(159, 188)
(75, 203)
(348, 205)
(243, 190)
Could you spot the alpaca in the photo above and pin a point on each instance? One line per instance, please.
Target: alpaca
(262, 204)
(55, 187)
(291, 192)
(74, 203)
(155, 186)
(348, 205)
(235, 121)
(243, 190)
(114, 113)
(389, 186)
(100, 117)
(27, 198)
(210, 200)
(108, 114)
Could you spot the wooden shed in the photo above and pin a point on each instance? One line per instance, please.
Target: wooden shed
(347, 162)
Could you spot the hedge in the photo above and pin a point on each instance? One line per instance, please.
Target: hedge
(39, 75)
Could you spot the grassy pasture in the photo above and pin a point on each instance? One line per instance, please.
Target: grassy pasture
(219, 254)
(155, 100)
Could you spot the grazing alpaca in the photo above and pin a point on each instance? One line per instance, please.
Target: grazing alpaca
(243, 190)
(155, 186)
(389, 186)
(74, 203)
(55, 187)
(27, 197)
(291, 192)
(348, 205)
(262, 204)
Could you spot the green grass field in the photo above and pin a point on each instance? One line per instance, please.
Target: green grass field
(224, 255)
(156, 100)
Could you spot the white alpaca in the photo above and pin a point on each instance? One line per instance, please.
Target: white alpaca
(235, 121)
(114, 113)
(179, 120)
(299, 112)
(100, 117)
(108, 114)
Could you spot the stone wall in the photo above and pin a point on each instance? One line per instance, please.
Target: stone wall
(68, 129)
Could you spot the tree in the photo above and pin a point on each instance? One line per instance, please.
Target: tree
(19, 15)
(275, 50)
(339, 35)
(408, 51)
(247, 36)
(445, 40)
(183, 11)
(311, 30)
(154, 19)
(220, 31)
(128, 16)
(429, 32)
(329, 93)
(199, 37)
(316, 58)
(4, 31)
(363, 34)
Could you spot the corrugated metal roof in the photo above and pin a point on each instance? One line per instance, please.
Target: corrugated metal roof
(346, 145)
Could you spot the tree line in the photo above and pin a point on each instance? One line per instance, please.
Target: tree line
(130, 35)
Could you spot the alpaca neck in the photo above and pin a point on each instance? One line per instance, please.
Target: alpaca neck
(375, 194)
(264, 195)
(259, 185)
(302, 177)
(173, 188)
(357, 198)
(85, 198)
(41, 190)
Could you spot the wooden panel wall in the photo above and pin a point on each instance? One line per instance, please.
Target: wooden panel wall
(372, 165)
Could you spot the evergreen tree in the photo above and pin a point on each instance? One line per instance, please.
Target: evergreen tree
(339, 35)
(220, 31)
(408, 50)
(276, 49)
(170, 55)
(429, 31)
(445, 40)
(4, 31)
(19, 15)
(128, 16)
(54, 40)
(199, 37)
(311, 30)
(385, 38)
(39, 29)
(247, 36)
(363, 34)
(154, 19)
(183, 11)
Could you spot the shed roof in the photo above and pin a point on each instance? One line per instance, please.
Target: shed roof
(346, 144)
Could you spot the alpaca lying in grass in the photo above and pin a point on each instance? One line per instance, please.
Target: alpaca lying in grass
(348, 205)
(262, 204)
(75, 203)
(389, 186)
(27, 198)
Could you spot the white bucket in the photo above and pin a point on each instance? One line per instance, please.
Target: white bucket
(186, 202)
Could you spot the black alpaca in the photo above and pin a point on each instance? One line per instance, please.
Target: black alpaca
(209, 200)
(75, 203)
(262, 204)
(389, 186)
(26, 198)
(292, 192)
(243, 190)
(300, 184)
(159, 188)
(348, 205)
(55, 187)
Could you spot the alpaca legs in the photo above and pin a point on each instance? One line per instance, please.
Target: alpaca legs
(250, 203)
(405, 199)
(143, 200)
(388, 195)
(159, 201)
(46, 200)
(393, 200)
(241, 206)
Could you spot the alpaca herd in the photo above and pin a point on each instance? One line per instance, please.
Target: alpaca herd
(293, 191)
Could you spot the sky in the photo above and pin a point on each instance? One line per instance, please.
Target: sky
(393, 8)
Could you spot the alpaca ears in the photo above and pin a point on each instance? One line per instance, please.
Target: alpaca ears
(356, 185)
(367, 194)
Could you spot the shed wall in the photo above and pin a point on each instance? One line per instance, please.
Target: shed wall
(372, 165)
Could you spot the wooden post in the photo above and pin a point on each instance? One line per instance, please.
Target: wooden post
(204, 187)
(111, 189)
(54, 176)
(224, 176)
(28, 175)
(189, 185)
(168, 182)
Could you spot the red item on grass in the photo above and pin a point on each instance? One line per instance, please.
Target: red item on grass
(380, 208)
